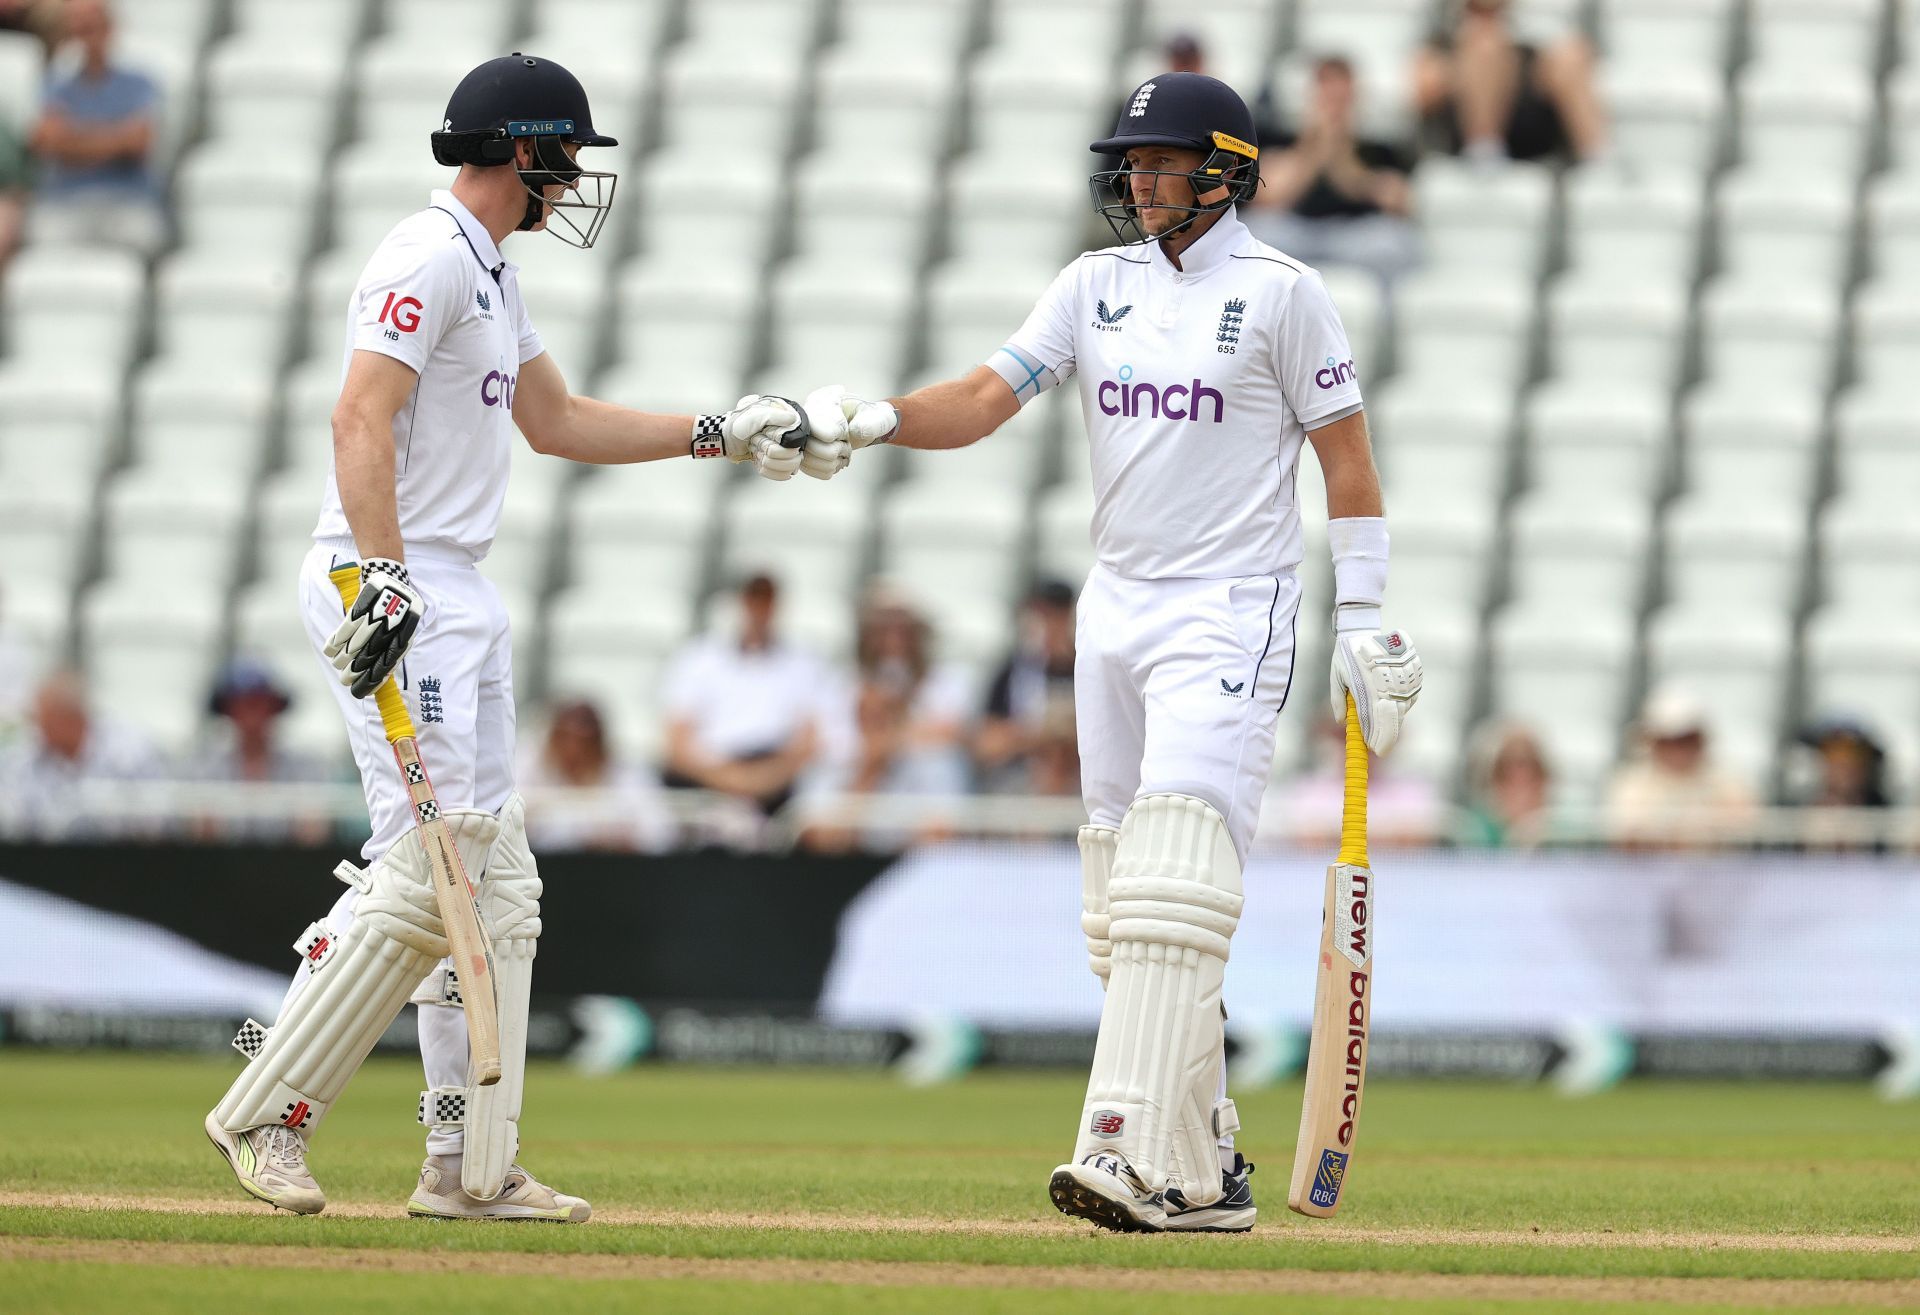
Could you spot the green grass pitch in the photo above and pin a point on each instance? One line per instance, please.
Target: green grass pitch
(805, 1191)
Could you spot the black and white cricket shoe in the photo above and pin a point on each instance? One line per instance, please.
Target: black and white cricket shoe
(1104, 1189)
(1232, 1213)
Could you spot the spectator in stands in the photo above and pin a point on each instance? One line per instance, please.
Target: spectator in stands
(628, 815)
(733, 722)
(14, 177)
(46, 19)
(1851, 773)
(1511, 786)
(95, 145)
(1329, 196)
(1485, 94)
(905, 719)
(251, 701)
(1671, 796)
(1030, 703)
(1305, 809)
(42, 778)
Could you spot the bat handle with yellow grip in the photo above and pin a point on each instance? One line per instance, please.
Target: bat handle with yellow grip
(1353, 809)
(394, 717)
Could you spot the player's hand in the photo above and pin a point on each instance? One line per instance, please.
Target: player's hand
(1382, 671)
(379, 626)
(769, 431)
(842, 425)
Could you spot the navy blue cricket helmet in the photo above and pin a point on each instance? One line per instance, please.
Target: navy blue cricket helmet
(1189, 110)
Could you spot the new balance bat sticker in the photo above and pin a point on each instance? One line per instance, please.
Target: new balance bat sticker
(467, 940)
(1342, 1007)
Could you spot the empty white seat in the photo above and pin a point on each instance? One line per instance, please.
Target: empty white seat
(814, 538)
(55, 430)
(1472, 218)
(313, 25)
(1737, 663)
(1886, 330)
(1039, 113)
(21, 60)
(233, 196)
(1579, 553)
(1778, 334)
(275, 95)
(673, 195)
(1588, 438)
(967, 543)
(1668, 119)
(1731, 554)
(743, 97)
(627, 29)
(150, 656)
(1633, 226)
(1476, 326)
(1442, 441)
(877, 107)
(1802, 125)
(1059, 33)
(856, 208)
(198, 424)
(1877, 683)
(973, 310)
(1693, 34)
(43, 541)
(181, 26)
(568, 296)
(1776, 224)
(426, 22)
(731, 26)
(1357, 296)
(73, 312)
(1237, 35)
(885, 28)
(1760, 447)
(375, 187)
(401, 82)
(850, 323)
(631, 524)
(679, 317)
(1815, 33)
(1566, 672)
(1877, 446)
(1903, 113)
(1449, 640)
(1441, 551)
(1013, 221)
(224, 309)
(154, 525)
(1869, 558)
(1892, 211)
(1379, 36)
(1607, 326)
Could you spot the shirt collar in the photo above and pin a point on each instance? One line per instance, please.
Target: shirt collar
(485, 250)
(1208, 253)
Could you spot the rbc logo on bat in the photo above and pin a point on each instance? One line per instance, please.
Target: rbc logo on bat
(1325, 1192)
(497, 389)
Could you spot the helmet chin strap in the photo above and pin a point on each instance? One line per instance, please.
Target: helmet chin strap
(536, 211)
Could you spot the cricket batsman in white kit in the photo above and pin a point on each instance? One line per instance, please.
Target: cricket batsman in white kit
(1205, 360)
(441, 365)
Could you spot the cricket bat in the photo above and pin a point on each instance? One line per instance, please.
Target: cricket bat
(1342, 1006)
(459, 911)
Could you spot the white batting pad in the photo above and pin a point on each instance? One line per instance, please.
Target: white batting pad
(1096, 871)
(329, 1025)
(1174, 901)
(510, 909)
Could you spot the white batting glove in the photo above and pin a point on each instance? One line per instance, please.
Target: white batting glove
(366, 647)
(1382, 672)
(769, 431)
(842, 425)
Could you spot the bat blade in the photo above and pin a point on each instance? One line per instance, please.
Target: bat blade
(1337, 1053)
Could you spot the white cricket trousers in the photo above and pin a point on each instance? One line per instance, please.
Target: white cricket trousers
(1177, 689)
(457, 680)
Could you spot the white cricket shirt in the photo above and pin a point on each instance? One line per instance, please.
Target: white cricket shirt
(438, 297)
(1199, 385)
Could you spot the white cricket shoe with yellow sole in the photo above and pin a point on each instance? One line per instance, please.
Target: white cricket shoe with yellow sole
(271, 1164)
(440, 1196)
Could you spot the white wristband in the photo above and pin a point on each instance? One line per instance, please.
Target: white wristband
(1359, 546)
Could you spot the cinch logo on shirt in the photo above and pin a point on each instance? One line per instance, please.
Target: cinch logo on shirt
(1123, 397)
(497, 389)
(1336, 373)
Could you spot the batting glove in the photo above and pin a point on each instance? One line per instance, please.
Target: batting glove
(842, 425)
(769, 431)
(1383, 673)
(369, 644)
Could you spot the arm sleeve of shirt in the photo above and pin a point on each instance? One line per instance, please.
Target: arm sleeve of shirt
(1314, 360)
(1040, 355)
(409, 295)
(530, 344)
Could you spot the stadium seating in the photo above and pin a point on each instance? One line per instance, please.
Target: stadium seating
(1659, 407)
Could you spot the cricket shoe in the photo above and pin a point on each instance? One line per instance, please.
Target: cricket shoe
(1104, 1188)
(271, 1164)
(1232, 1213)
(440, 1196)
